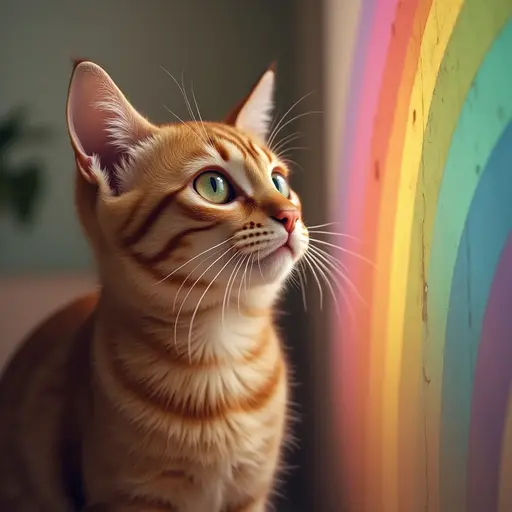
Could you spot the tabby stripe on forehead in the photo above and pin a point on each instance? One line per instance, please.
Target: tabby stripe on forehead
(233, 139)
(173, 244)
(151, 218)
(223, 152)
(186, 409)
(255, 151)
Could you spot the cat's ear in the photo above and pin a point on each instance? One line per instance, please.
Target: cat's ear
(104, 128)
(254, 113)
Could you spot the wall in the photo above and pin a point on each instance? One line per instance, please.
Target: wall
(422, 363)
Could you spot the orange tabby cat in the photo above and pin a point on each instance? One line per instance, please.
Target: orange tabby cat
(166, 391)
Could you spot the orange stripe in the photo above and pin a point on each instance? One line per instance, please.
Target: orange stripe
(173, 244)
(151, 218)
(171, 354)
(132, 214)
(223, 152)
(159, 275)
(186, 409)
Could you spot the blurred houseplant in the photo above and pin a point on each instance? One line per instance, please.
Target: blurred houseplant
(21, 182)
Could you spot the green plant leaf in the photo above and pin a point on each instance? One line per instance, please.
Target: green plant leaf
(25, 186)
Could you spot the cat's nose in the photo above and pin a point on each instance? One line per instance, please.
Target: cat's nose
(288, 218)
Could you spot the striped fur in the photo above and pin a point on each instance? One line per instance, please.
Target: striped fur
(167, 390)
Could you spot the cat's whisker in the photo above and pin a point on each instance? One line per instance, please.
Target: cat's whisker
(325, 272)
(286, 140)
(282, 155)
(259, 265)
(298, 116)
(194, 258)
(332, 233)
(289, 162)
(201, 299)
(250, 274)
(322, 225)
(199, 112)
(244, 275)
(229, 285)
(185, 96)
(192, 287)
(177, 294)
(302, 284)
(198, 135)
(187, 103)
(343, 249)
(276, 129)
(333, 263)
(320, 291)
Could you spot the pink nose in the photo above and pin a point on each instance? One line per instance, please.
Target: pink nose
(288, 218)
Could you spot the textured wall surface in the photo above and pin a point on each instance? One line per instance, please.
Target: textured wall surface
(423, 363)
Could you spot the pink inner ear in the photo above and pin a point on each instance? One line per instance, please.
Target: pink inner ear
(101, 121)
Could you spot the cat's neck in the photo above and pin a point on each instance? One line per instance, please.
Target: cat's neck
(217, 331)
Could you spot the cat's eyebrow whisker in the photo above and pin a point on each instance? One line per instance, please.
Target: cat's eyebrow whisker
(187, 102)
(277, 129)
(282, 155)
(298, 116)
(199, 113)
(286, 140)
(333, 263)
(194, 258)
(343, 249)
(202, 297)
(182, 90)
(290, 162)
(198, 135)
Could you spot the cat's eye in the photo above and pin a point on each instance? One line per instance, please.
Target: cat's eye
(214, 187)
(281, 184)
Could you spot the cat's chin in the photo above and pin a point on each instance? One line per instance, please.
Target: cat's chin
(276, 265)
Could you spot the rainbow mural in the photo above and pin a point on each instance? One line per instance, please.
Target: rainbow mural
(424, 367)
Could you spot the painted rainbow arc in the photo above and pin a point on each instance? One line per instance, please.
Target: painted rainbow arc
(425, 368)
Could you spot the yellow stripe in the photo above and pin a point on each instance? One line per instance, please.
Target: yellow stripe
(505, 490)
(442, 17)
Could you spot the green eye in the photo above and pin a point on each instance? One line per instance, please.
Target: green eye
(213, 187)
(281, 184)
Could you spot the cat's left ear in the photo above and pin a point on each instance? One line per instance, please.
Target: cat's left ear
(254, 113)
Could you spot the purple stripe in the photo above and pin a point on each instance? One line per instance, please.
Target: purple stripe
(352, 103)
(493, 377)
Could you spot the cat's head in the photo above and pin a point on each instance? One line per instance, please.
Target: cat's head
(184, 207)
